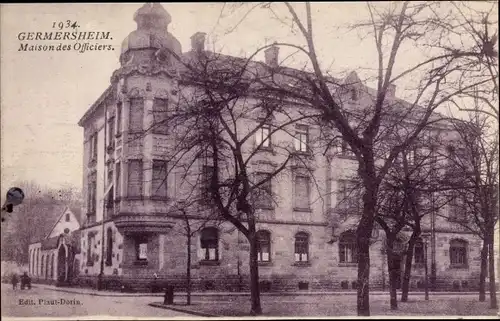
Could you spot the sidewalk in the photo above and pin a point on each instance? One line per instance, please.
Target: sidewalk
(95, 292)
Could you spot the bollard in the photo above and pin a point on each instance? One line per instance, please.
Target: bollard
(169, 295)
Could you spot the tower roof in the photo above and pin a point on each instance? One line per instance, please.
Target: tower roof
(152, 16)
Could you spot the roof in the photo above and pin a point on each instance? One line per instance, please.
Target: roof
(52, 214)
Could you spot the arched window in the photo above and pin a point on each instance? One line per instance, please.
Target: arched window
(37, 260)
(47, 269)
(52, 265)
(209, 240)
(418, 252)
(348, 252)
(30, 261)
(263, 246)
(109, 247)
(458, 253)
(43, 265)
(301, 247)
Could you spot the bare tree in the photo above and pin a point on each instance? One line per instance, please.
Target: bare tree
(223, 131)
(472, 180)
(443, 72)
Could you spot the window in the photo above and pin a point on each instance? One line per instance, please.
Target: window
(141, 248)
(301, 138)
(456, 210)
(346, 195)
(109, 247)
(91, 198)
(90, 242)
(301, 193)
(111, 131)
(206, 183)
(263, 136)
(458, 253)
(348, 252)
(159, 178)
(93, 147)
(354, 94)
(134, 178)
(67, 217)
(263, 193)
(301, 247)
(346, 149)
(209, 241)
(263, 246)
(118, 180)
(110, 201)
(160, 116)
(136, 115)
(119, 118)
(418, 252)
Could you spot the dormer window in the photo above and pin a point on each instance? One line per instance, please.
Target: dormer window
(354, 94)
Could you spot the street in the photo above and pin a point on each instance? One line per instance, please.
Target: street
(39, 302)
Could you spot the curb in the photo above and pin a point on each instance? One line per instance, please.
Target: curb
(173, 308)
(215, 294)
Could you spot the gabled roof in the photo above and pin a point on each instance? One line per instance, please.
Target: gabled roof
(52, 214)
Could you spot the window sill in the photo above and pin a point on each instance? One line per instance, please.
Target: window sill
(351, 157)
(264, 207)
(141, 262)
(265, 263)
(459, 266)
(348, 264)
(209, 263)
(298, 209)
(159, 198)
(302, 263)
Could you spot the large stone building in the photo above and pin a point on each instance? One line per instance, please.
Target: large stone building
(128, 236)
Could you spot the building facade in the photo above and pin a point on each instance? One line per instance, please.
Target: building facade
(129, 239)
(54, 259)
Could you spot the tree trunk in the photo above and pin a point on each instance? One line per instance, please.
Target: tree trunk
(188, 268)
(482, 275)
(391, 267)
(363, 234)
(254, 276)
(405, 287)
(491, 261)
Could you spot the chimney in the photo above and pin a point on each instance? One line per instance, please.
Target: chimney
(198, 41)
(271, 56)
(391, 91)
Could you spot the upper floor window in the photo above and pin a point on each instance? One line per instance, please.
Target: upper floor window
(354, 94)
(136, 115)
(111, 131)
(301, 139)
(457, 209)
(263, 192)
(347, 195)
(301, 193)
(207, 173)
(263, 136)
(67, 217)
(91, 196)
(418, 252)
(209, 241)
(348, 251)
(301, 247)
(119, 118)
(263, 246)
(117, 178)
(160, 107)
(93, 146)
(135, 177)
(159, 178)
(458, 253)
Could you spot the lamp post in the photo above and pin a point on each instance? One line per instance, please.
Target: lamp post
(425, 239)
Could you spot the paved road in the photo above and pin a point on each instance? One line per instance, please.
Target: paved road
(46, 303)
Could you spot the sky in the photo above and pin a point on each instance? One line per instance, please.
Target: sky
(44, 94)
